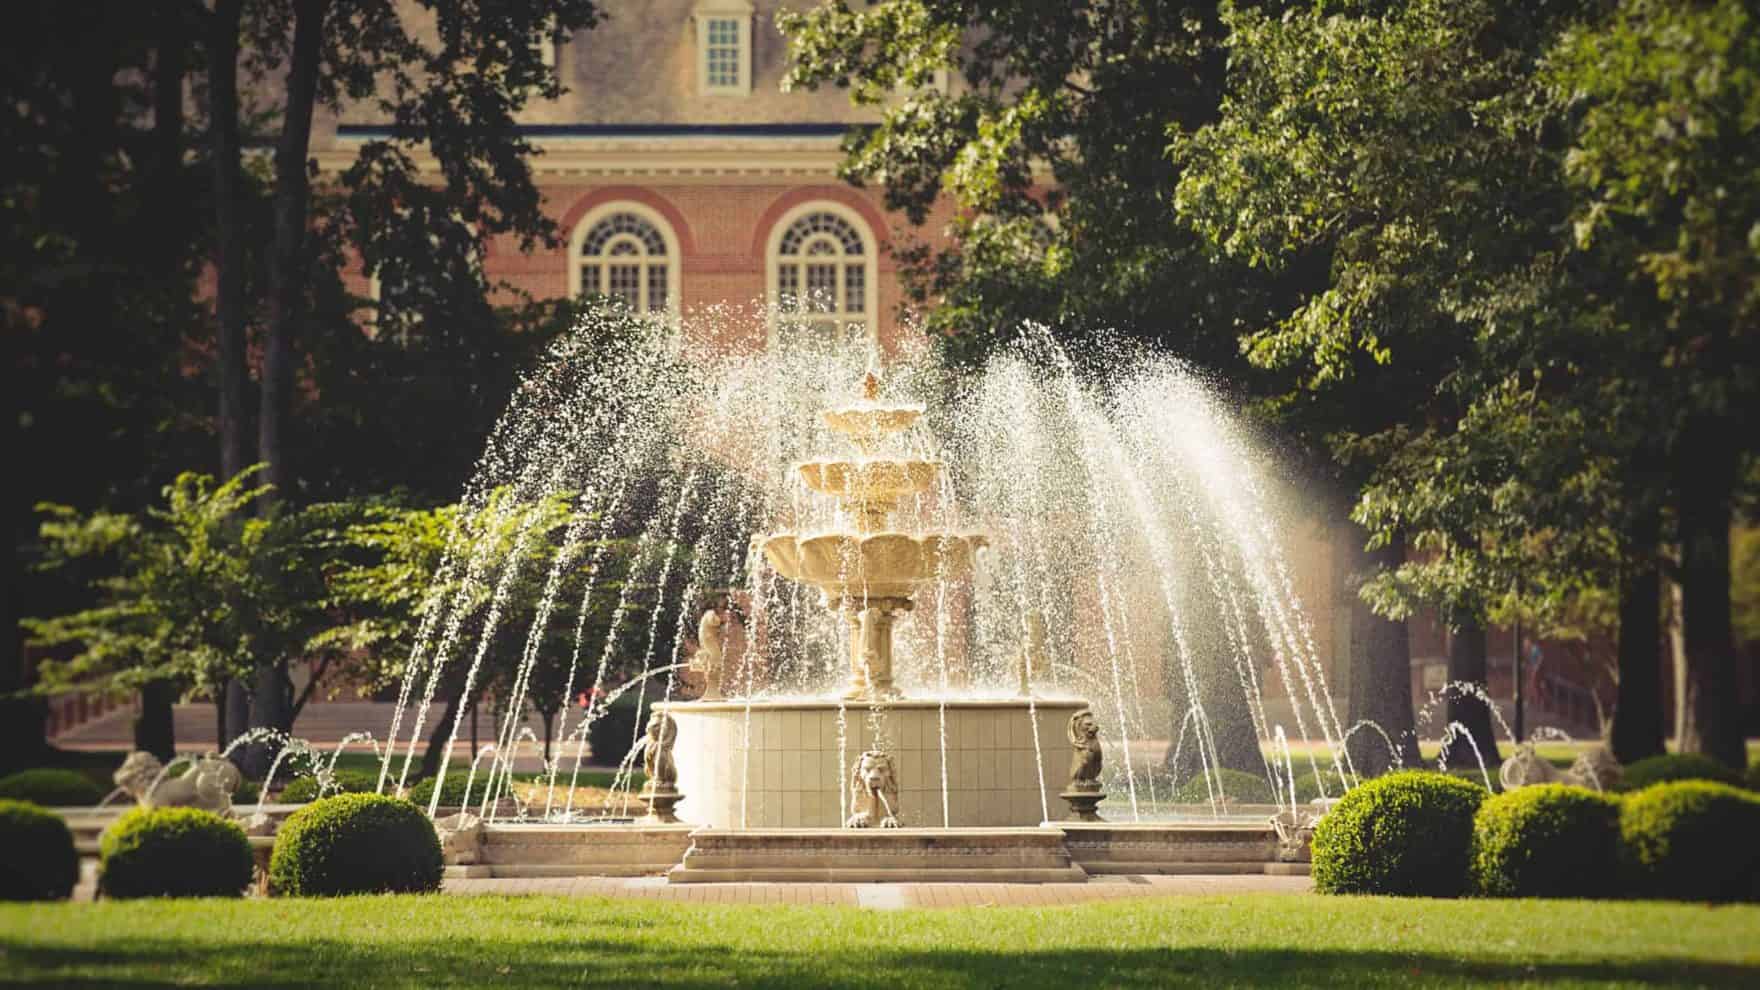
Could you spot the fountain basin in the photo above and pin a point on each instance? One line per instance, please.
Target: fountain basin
(874, 565)
(867, 425)
(871, 488)
(795, 773)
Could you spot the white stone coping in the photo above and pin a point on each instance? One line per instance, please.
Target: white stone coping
(913, 704)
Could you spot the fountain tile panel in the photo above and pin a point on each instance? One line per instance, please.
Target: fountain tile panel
(795, 772)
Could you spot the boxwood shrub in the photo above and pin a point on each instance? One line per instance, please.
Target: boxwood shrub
(173, 852)
(355, 844)
(51, 788)
(1692, 840)
(1408, 833)
(1660, 769)
(1237, 785)
(451, 789)
(1308, 784)
(1547, 840)
(343, 781)
(37, 858)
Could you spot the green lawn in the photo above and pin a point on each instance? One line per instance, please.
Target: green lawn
(1202, 941)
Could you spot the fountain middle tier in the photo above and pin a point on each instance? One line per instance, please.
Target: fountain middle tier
(860, 566)
(779, 763)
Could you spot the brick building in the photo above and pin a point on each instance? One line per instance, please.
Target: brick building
(683, 176)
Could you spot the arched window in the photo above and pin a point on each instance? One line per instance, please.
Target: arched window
(822, 276)
(627, 251)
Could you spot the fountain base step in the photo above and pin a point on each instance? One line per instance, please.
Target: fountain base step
(914, 855)
(531, 851)
(1143, 848)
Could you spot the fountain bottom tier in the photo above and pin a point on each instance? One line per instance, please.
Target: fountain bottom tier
(796, 764)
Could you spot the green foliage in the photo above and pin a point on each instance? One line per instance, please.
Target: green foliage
(197, 590)
(1548, 840)
(1692, 840)
(1308, 784)
(355, 844)
(51, 787)
(451, 789)
(343, 781)
(1064, 210)
(1406, 834)
(1237, 786)
(173, 852)
(1753, 778)
(37, 858)
(1653, 770)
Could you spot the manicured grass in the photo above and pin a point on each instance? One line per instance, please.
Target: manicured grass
(1199, 941)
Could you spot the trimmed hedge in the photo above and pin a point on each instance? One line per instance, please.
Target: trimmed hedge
(1692, 840)
(1665, 767)
(344, 781)
(355, 844)
(52, 788)
(1547, 840)
(37, 858)
(1408, 833)
(173, 852)
(1238, 786)
(1308, 784)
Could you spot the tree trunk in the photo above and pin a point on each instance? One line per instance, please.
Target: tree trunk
(229, 306)
(1466, 665)
(1704, 481)
(1677, 654)
(155, 729)
(287, 256)
(437, 736)
(220, 737)
(1637, 712)
(238, 714)
(1381, 670)
(270, 708)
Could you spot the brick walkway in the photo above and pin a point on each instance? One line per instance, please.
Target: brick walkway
(885, 896)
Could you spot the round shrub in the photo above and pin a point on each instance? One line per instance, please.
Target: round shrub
(1547, 840)
(51, 788)
(1692, 840)
(1238, 786)
(37, 858)
(1308, 784)
(1408, 833)
(343, 781)
(451, 789)
(1660, 769)
(173, 852)
(355, 844)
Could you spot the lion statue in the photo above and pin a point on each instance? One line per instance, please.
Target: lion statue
(1086, 754)
(1595, 769)
(208, 784)
(873, 792)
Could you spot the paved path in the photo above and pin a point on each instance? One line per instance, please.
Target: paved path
(887, 896)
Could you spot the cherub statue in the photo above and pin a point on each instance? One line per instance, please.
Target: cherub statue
(873, 792)
(1086, 755)
(208, 784)
(657, 759)
(707, 659)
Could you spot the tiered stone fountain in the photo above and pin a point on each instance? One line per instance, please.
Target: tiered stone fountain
(765, 763)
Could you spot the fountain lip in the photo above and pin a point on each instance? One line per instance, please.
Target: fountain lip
(831, 703)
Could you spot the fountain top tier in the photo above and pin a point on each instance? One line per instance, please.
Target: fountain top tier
(865, 570)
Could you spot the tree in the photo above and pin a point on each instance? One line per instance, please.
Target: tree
(99, 277)
(194, 593)
(1664, 173)
(1063, 212)
(456, 96)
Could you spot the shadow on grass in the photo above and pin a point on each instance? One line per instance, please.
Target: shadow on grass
(560, 960)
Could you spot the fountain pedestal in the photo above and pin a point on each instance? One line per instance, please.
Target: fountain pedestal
(787, 764)
(1084, 806)
(870, 646)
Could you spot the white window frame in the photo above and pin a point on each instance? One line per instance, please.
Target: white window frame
(740, 13)
(773, 262)
(673, 259)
